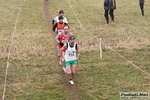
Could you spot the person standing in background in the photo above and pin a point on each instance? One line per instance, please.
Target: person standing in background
(107, 7)
(113, 6)
(141, 2)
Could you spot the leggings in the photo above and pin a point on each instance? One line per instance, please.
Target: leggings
(111, 12)
(142, 8)
(106, 16)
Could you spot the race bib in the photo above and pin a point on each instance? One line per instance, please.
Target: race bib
(64, 41)
(72, 54)
(60, 31)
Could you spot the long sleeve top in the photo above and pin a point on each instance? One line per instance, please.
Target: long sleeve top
(141, 1)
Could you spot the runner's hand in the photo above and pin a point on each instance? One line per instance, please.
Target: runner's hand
(61, 44)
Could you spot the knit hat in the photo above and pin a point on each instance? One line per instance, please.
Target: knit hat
(72, 37)
(61, 17)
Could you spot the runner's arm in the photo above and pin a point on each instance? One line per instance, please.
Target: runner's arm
(57, 38)
(63, 48)
(78, 52)
(54, 27)
(65, 20)
(53, 22)
(71, 34)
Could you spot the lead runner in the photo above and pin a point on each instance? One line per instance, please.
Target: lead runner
(71, 56)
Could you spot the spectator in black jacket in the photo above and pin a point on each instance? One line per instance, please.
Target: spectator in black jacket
(141, 2)
(107, 7)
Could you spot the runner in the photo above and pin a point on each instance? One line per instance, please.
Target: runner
(56, 19)
(71, 57)
(61, 39)
(59, 27)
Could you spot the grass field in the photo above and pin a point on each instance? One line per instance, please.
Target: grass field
(34, 72)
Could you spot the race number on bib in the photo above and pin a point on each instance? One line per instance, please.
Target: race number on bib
(72, 54)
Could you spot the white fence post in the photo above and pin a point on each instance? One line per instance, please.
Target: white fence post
(100, 47)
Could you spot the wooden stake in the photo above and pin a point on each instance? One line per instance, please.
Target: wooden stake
(100, 47)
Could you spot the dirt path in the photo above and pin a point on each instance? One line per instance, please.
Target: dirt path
(72, 89)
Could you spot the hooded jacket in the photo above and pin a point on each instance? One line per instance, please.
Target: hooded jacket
(107, 4)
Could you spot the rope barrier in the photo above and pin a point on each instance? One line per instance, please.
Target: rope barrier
(8, 56)
(104, 43)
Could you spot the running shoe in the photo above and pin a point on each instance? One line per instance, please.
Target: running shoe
(106, 24)
(58, 54)
(60, 63)
(71, 82)
(64, 69)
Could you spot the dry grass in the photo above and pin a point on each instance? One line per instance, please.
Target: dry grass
(103, 79)
(34, 74)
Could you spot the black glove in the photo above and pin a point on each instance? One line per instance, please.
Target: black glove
(61, 44)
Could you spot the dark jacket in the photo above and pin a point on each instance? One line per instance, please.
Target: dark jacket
(107, 4)
(113, 4)
(141, 1)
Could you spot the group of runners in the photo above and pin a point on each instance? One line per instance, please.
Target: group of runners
(67, 48)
